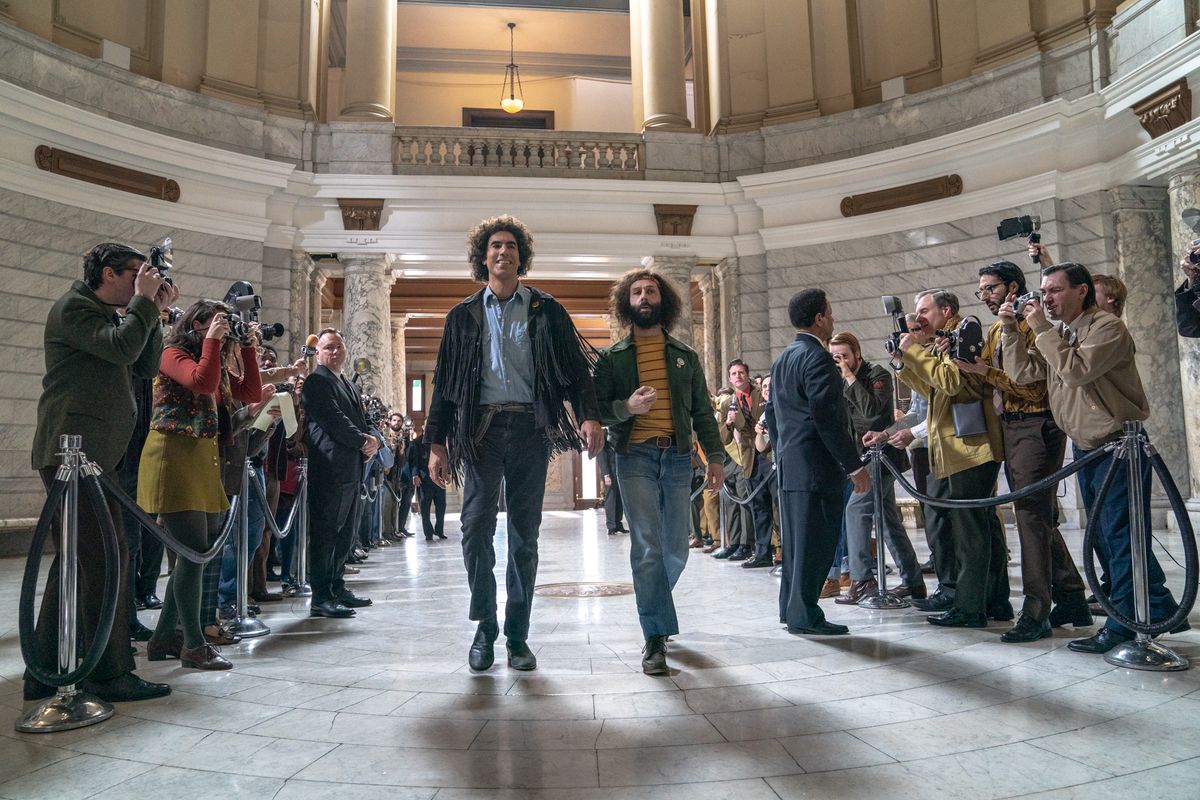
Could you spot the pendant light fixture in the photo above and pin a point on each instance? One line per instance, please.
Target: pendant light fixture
(512, 97)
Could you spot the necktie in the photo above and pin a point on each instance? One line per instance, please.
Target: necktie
(997, 395)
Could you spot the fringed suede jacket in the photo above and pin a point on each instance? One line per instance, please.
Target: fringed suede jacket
(562, 364)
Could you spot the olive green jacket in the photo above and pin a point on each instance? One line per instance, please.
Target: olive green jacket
(91, 355)
(616, 378)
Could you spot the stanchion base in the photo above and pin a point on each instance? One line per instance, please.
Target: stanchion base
(304, 590)
(247, 627)
(883, 601)
(64, 713)
(1147, 655)
(776, 571)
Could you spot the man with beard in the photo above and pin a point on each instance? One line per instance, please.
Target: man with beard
(510, 359)
(738, 413)
(652, 394)
(401, 475)
(1033, 448)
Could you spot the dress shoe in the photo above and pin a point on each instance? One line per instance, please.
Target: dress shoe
(253, 609)
(1104, 640)
(823, 628)
(741, 554)
(266, 597)
(149, 601)
(725, 552)
(203, 657)
(520, 656)
(331, 609)
(756, 563)
(440, 535)
(483, 651)
(36, 690)
(215, 634)
(654, 656)
(904, 590)
(125, 688)
(351, 600)
(1027, 629)
(957, 619)
(693, 543)
(858, 590)
(162, 651)
(612, 533)
(830, 588)
(139, 632)
(938, 601)
(927, 568)
(1071, 610)
(709, 548)
(1001, 612)
(844, 580)
(349, 570)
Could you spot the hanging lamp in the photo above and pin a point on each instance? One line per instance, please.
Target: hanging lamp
(512, 97)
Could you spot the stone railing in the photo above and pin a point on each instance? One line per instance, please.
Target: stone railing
(487, 151)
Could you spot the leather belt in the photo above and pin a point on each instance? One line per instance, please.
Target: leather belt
(508, 408)
(661, 442)
(1017, 416)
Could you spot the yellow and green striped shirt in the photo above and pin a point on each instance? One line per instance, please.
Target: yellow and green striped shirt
(652, 371)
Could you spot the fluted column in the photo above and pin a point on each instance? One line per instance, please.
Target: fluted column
(1184, 192)
(369, 83)
(366, 321)
(399, 365)
(656, 32)
(678, 270)
(726, 276)
(712, 332)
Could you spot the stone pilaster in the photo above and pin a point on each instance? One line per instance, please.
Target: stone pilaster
(726, 275)
(678, 270)
(709, 295)
(370, 78)
(367, 326)
(1183, 192)
(657, 37)
(316, 288)
(300, 311)
(399, 365)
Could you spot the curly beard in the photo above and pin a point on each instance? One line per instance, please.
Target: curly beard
(646, 318)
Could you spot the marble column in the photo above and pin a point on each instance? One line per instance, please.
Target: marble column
(712, 331)
(316, 289)
(678, 270)
(300, 310)
(399, 365)
(1184, 192)
(659, 45)
(616, 331)
(726, 276)
(369, 82)
(366, 320)
(1143, 253)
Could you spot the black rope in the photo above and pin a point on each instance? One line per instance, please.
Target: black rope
(162, 534)
(771, 476)
(276, 531)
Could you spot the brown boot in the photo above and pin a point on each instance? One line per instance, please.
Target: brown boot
(830, 589)
(203, 657)
(844, 580)
(917, 592)
(858, 590)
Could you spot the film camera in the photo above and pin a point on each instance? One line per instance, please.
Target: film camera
(1021, 302)
(1026, 227)
(245, 304)
(162, 258)
(966, 341)
(891, 305)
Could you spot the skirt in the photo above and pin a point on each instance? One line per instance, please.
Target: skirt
(180, 473)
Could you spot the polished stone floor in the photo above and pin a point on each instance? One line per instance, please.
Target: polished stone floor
(383, 706)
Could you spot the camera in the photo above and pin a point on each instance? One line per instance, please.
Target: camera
(245, 305)
(162, 258)
(1022, 301)
(1027, 227)
(892, 305)
(966, 341)
(173, 314)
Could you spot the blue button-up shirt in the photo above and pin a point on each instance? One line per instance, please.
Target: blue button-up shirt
(507, 375)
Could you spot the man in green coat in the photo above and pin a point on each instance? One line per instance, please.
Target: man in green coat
(91, 355)
(652, 395)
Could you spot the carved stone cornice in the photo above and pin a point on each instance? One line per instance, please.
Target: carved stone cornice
(1165, 110)
(82, 168)
(360, 214)
(674, 220)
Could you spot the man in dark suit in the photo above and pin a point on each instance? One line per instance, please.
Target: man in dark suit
(338, 445)
(814, 449)
(431, 496)
(613, 509)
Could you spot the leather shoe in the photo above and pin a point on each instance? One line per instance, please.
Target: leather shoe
(203, 657)
(917, 592)
(709, 548)
(1027, 629)
(1071, 611)
(858, 590)
(139, 632)
(266, 597)
(654, 656)
(957, 619)
(1103, 641)
(938, 601)
(331, 609)
(830, 588)
(1001, 612)
(161, 651)
(125, 688)
(755, 563)
(520, 656)
(725, 552)
(149, 601)
(351, 600)
(483, 652)
(823, 628)
(741, 554)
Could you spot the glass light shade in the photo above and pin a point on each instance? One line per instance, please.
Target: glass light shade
(512, 104)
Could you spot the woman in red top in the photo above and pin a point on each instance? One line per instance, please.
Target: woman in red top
(180, 474)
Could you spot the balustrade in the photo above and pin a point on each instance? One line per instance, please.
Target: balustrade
(477, 151)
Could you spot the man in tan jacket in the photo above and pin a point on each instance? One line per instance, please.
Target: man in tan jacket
(737, 415)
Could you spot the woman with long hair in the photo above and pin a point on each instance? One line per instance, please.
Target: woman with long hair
(180, 474)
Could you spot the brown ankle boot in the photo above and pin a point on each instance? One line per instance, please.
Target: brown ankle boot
(858, 590)
(203, 657)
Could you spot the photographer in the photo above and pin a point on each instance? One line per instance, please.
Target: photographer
(91, 356)
(1087, 361)
(1187, 296)
(967, 543)
(399, 434)
(1033, 449)
(180, 476)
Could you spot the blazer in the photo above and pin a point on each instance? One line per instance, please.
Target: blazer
(334, 426)
(808, 420)
(743, 452)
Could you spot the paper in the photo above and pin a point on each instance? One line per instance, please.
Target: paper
(287, 413)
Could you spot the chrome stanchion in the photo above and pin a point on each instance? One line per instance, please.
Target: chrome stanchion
(301, 576)
(70, 707)
(882, 598)
(1143, 652)
(724, 512)
(245, 625)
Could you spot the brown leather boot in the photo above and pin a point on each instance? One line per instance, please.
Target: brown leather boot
(203, 657)
(830, 589)
(858, 590)
(844, 580)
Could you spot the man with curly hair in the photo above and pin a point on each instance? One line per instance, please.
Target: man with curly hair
(510, 360)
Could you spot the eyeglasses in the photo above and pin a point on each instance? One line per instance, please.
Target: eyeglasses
(988, 290)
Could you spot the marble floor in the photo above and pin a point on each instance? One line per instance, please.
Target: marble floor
(383, 706)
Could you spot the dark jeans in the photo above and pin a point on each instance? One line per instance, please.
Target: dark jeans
(145, 550)
(117, 659)
(513, 451)
(333, 517)
(762, 507)
(1112, 540)
(1033, 449)
(614, 509)
(435, 496)
(739, 518)
(406, 493)
(968, 543)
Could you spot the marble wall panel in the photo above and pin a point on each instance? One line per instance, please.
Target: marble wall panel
(1144, 29)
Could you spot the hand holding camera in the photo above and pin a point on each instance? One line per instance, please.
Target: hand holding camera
(844, 368)
(148, 282)
(218, 328)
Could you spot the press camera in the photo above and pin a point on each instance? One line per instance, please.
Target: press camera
(1026, 227)
(892, 305)
(966, 341)
(1021, 302)
(246, 304)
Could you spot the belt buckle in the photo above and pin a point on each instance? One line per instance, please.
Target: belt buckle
(663, 442)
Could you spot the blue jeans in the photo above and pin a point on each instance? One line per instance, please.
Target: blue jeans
(1112, 540)
(227, 587)
(655, 487)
